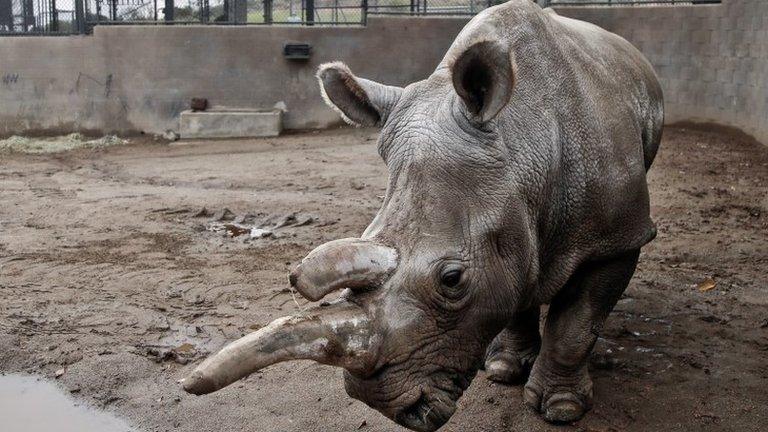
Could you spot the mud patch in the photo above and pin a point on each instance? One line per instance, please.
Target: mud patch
(108, 272)
(73, 141)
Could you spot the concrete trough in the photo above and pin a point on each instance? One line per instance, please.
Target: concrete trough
(231, 123)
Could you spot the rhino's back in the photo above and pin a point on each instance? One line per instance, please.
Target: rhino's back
(587, 108)
(617, 76)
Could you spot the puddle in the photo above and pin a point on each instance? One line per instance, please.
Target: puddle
(32, 404)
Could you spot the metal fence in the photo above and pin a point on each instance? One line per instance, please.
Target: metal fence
(38, 17)
(628, 2)
(429, 7)
(122, 12)
(63, 17)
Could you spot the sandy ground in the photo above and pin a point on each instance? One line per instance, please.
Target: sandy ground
(111, 279)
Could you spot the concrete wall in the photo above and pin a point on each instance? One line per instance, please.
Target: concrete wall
(712, 60)
(139, 78)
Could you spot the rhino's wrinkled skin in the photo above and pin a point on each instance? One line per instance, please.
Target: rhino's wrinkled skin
(516, 179)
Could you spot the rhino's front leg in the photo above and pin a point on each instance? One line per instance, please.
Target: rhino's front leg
(559, 386)
(511, 354)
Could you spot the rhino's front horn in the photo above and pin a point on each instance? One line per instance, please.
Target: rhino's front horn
(345, 263)
(338, 334)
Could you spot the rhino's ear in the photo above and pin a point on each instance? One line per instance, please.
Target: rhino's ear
(359, 101)
(484, 76)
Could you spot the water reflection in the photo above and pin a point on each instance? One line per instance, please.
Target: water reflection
(32, 404)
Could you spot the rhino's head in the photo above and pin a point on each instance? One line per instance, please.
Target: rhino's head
(436, 274)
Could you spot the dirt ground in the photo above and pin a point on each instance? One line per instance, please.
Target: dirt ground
(112, 278)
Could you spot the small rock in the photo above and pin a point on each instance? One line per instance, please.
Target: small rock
(715, 320)
(59, 373)
(257, 233)
(244, 218)
(185, 348)
(170, 135)
(707, 284)
(224, 214)
(203, 212)
(162, 354)
(356, 184)
(287, 220)
(304, 220)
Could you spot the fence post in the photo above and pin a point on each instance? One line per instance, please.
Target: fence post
(6, 15)
(168, 10)
(28, 14)
(268, 12)
(53, 19)
(80, 16)
(364, 12)
(239, 11)
(205, 11)
(310, 12)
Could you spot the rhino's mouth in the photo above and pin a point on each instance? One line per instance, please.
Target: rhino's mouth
(426, 415)
(425, 407)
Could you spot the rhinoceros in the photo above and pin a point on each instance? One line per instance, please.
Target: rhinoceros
(517, 179)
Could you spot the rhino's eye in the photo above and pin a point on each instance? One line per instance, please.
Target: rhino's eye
(451, 278)
(453, 286)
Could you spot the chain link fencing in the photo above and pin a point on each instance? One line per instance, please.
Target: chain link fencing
(63, 17)
(37, 17)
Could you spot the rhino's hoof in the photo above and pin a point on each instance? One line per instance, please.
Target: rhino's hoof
(505, 370)
(563, 408)
(532, 398)
(510, 368)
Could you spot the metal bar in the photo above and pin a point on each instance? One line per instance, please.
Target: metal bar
(205, 11)
(168, 10)
(310, 11)
(28, 15)
(6, 15)
(54, 17)
(79, 17)
(267, 11)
